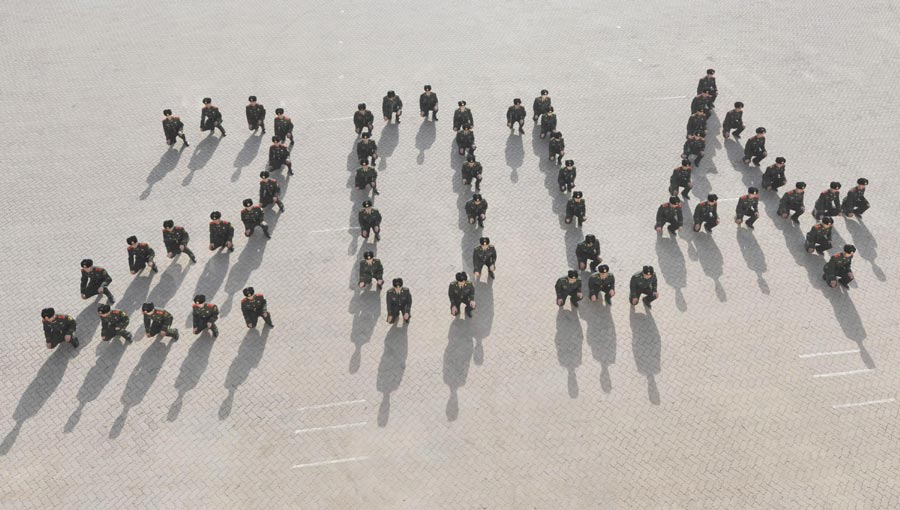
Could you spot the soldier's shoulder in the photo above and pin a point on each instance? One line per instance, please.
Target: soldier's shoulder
(210, 305)
(244, 300)
(259, 295)
(64, 317)
(98, 269)
(142, 245)
(179, 228)
(195, 305)
(130, 247)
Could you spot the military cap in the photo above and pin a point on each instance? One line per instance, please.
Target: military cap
(570, 162)
(199, 299)
(207, 100)
(647, 270)
(248, 291)
(752, 190)
(276, 138)
(800, 185)
(485, 240)
(476, 196)
(760, 130)
(391, 93)
(103, 308)
(603, 268)
(781, 160)
(550, 109)
(712, 197)
(147, 307)
(368, 255)
(462, 276)
(577, 194)
(131, 240)
(366, 134)
(361, 106)
(279, 111)
(573, 273)
(367, 203)
(251, 98)
(835, 185)
(862, 181)
(264, 174)
(427, 87)
(248, 202)
(710, 71)
(215, 215)
(685, 162)
(849, 248)
(828, 220)
(87, 263)
(738, 104)
(544, 92)
(517, 101)
(674, 200)
(470, 157)
(167, 112)
(397, 282)
(168, 224)
(590, 238)
(461, 103)
(48, 312)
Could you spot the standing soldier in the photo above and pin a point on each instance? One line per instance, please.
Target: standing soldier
(708, 83)
(140, 255)
(681, 178)
(94, 281)
(541, 105)
(476, 210)
(855, 203)
(158, 321)
(566, 176)
(829, 202)
(173, 127)
(176, 239)
(484, 255)
(205, 316)
(58, 329)
(548, 122)
(428, 102)
(283, 125)
(694, 145)
(557, 147)
(569, 286)
(367, 148)
(253, 216)
(369, 219)
(462, 116)
(256, 115)
(210, 117)
(734, 121)
(363, 118)
(837, 269)
(279, 155)
(669, 212)
(602, 281)
(755, 148)
(471, 170)
(773, 178)
(707, 213)
(697, 123)
(253, 306)
(748, 205)
(792, 201)
(818, 239)
(516, 114)
(399, 302)
(390, 105)
(465, 141)
(365, 176)
(461, 292)
(643, 282)
(370, 268)
(269, 191)
(221, 233)
(588, 251)
(113, 323)
(700, 103)
(576, 208)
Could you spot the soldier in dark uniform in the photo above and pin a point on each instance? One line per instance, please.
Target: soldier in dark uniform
(283, 125)
(681, 178)
(279, 155)
(476, 210)
(140, 255)
(484, 255)
(176, 239)
(256, 115)
(818, 239)
(370, 268)
(602, 281)
(516, 114)
(588, 251)
(205, 316)
(94, 281)
(158, 321)
(773, 178)
(700, 103)
(576, 208)
(829, 202)
(462, 116)
(428, 102)
(697, 123)
(366, 148)
(461, 292)
(792, 201)
(254, 306)
(58, 329)
(837, 269)
(557, 147)
(465, 141)
(210, 117)
(369, 219)
(708, 83)
(747, 205)
(707, 213)
(566, 176)
(399, 302)
(755, 148)
(643, 282)
(541, 105)
(269, 191)
(173, 127)
(669, 212)
(569, 286)
(548, 122)
(113, 323)
(694, 145)
(855, 203)
(363, 118)
(734, 121)
(471, 170)
(390, 105)
(253, 216)
(366, 176)
(221, 233)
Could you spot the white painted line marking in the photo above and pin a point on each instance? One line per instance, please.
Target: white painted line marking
(334, 118)
(831, 353)
(331, 427)
(327, 462)
(333, 404)
(332, 230)
(849, 372)
(866, 403)
(662, 98)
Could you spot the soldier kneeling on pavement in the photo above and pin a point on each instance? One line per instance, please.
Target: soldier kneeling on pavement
(370, 268)
(644, 282)
(818, 239)
(602, 281)
(855, 203)
(58, 328)
(113, 323)
(158, 321)
(253, 306)
(837, 269)
(461, 292)
(569, 286)
(399, 302)
(205, 316)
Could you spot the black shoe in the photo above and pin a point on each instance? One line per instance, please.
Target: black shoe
(843, 283)
(608, 300)
(398, 121)
(290, 172)
(575, 303)
(647, 303)
(521, 131)
(378, 237)
(231, 250)
(193, 260)
(685, 195)
(175, 336)
(154, 269)
(187, 144)
(215, 332)
(281, 208)
(434, 118)
(376, 191)
(75, 343)
(128, 338)
(468, 312)
(270, 324)
(491, 274)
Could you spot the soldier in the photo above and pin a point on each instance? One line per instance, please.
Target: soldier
(369, 219)
(399, 302)
(256, 115)
(793, 201)
(210, 117)
(253, 216)
(734, 121)
(367, 148)
(471, 170)
(158, 321)
(855, 203)
(484, 255)
(548, 122)
(602, 281)
(576, 208)
(462, 116)
(476, 210)
(205, 316)
(253, 306)
(173, 127)
(697, 123)
(829, 202)
(283, 125)
(818, 239)
(176, 239)
(541, 104)
(58, 329)
(140, 255)
(279, 155)
(390, 105)
(113, 324)
(707, 213)
(708, 83)
(694, 145)
(681, 178)
(428, 102)
(363, 118)
(95, 281)
(566, 176)
(269, 191)
(643, 282)
(557, 147)
(669, 212)
(516, 114)
(748, 205)
(369, 268)
(773, 178)
(837, 269)
(756, 147)
(701, 103)
(221, 233)
(588, 251)
(569, 286)
(461, 292)
(465, 141)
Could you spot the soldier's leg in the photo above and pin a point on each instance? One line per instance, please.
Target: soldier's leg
(267, 317)
(607, 296)
(751, 219)
(215, 330)
(187, 251)
(594, 264)
(152, 265)
(580, 220)
(649, 298)
(254, 319)
(392, 312)
(491, 270)
(124, 334)
(377, 231)
(220, 128)
(737, 132)
(709, 225)
(109, 295)
(171, 332)
(265, 229)
(823, 247)
(481, 221)
(469, 307)
(576, 297)
(287, 163)
(375, 188)
(280, 204)
(183, 139)
(477, 183)
(672, 228)
(698, 158)
(673, 188)
(861, 207)
(434, 114)
(686, 191)
(797, 212)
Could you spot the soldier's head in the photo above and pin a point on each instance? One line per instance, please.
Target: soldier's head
(647, 272)
(462, 105)
(207, 100)
(476, 197)
(86, 265)
(365, 135)
(131, 240)
(738, 105)
(248, 292)
(603, 269)
(556, 134)
(570, 162)
(572, 275)
(252, 99)
(550, 110)
(367, 204)
(48, 315)
(276, 139)
(577, 196)
(862, 182)
(248, 202)
(849, 250)
(761, 132)
(147, 308)
(590, 239)
(364, 163)
(827, 221)
(780, 161)
(674, 201)
(279, 111)
(685, 162)
(167, 112)
(710, 72)
(466, 127)
(361, 107)
(427, 88)
(544, 92)
(369, 255)
(704, 92)
(834, 186)
(517, 101)
(264, 175)
(753, 191)
(712, 198)
(169, 225)
(391, 93)
(215, 216)
(199, 299)
(484, 241)
(470, 158)
(800, 187)
(103, 310)
(397, 283)
(461, 278)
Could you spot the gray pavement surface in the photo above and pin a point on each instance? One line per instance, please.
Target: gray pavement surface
(749, 386)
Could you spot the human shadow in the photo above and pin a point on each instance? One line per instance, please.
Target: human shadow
(246, 155)
(573, 237)
(866, 246)
(539, 146)
(751, 175)
(424, 139)
(212, 278)
(366, 309)
(192, 369)
(135, 295)
(167, 286)
(647, 349)
(203, 151)
(568, 340)
(390, 370)
(703, 247)
(248, 357)
(457, 359)
(96, 380)
(353, 229)
(515, 156)
(560, 198)
(142, 377)
(387, 142)
(672, 266)
(753, 256)
(601, 337)
(166, 164)
(249, 261)
(707, 165)
(483, 321)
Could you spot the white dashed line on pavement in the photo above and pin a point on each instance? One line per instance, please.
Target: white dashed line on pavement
(331, 427)
(332, 404)
(860, 404)
(830, 353)
(327, 462)
(849, 372)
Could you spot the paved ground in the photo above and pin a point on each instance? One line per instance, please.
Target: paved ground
(739, 391)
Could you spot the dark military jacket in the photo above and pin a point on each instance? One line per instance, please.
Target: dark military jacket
(557, 145)
(484, 256)
(828, 202)
(204, 313)
(116, 320)
(574, 208)
(548, 122)
(514, 114)
(855, 198)
(220, 233)
(707, 83)
(668, 213)
(370, 219)
(462, 294)
(253, 216)
(733, 120)
(156, 321)
(176, 237)
(541, 106)
(389, 106)
(641, 285)
(791, 200)
(693, 146)
(700, 103)
(171, 127)
(253, 308)
(461, 118)
(706, 212)
(93, 280)
(138, 255)
(401, 301)
(427, 101)
(837, 265)
(755, 146)
(366, 148)
(471, 172)
(465, 139)
(819, 234)
(583, 251)
(564, 287)
(269, 190)
(473, 209)
(566, 175)
(596, 285)
(363, 118)
(681, 176)
(256, 114)
(283, 125)
(696, 123)
(209, 117)
(747, 206)
(773, 176)
(278, 154)
(55, 332)
(368, 271)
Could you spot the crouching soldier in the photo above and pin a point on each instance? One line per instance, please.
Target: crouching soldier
(399, 302)
(602, 281)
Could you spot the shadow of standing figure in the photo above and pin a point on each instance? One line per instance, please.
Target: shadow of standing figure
(390, 370)
(387, 142)
(673, 268)
(515, 156)
(203, 152)
(646, 346)
(97, 378)
(457, 359)
(142, 377)
(167, 163)
(569, 339)
(192, 369)
(753, 256)
(703, 247)
(865, 246)
(601, 337)
(483, 321)
(366, 309)
(246, 156)
(424, 139)
(248, 357)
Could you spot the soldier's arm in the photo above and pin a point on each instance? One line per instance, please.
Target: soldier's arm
(660, 215)
(185, 237)
(422, 102)
(84, 282)
(408, 306)
(560, 288)
(105, 278)
(147, 324)
(378, 271)
(634, 284)
(245, 309)
(492, 255)
(399, 103)
(611, 279)
(196, 320)
(450, 291)
(229, 232)
(679, 215)
(247, 111)
(698, 214)
(653, 283)
(69, 325)
(131, 260)
(263, 305)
